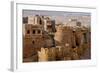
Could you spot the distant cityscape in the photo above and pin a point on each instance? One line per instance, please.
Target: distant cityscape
(56, 36)
(61, 17)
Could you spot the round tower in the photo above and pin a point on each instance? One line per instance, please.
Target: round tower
(63, 35)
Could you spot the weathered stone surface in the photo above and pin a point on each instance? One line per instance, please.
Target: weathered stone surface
(61, 43)
(43, 54)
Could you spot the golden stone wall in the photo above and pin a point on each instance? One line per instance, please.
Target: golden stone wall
(70, 42)
(64, 35)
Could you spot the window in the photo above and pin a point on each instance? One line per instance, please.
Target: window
(25, 20)
(33, 31)
(78, 23)
(33, 42)
(39, 31)
(73, 31)
(40, 21)
(28, 31)
(85, 38)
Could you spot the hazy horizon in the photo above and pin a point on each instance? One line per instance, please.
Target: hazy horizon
(60, 16)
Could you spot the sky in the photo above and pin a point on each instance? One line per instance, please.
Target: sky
(59, 16)
(53, 13)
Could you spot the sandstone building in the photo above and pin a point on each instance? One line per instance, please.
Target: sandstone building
(43, 40)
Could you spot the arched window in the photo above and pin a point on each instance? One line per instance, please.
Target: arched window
(28, 31)
(85, 37)
(40, 21)
(33, 42)
(33, 31)
(39, 31)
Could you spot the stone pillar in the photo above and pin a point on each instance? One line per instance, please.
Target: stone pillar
(37, 20)
(45, 25)
(30, 19)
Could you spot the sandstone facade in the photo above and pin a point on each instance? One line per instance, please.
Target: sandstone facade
(43, 40)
